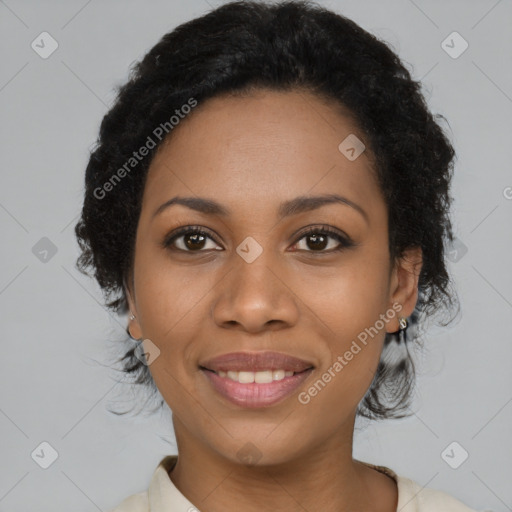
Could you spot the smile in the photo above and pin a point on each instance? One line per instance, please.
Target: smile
(260, 377)
(255, 389)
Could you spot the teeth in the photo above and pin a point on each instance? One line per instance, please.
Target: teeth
(263, 377)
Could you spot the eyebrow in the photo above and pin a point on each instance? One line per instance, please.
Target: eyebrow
(291, 207)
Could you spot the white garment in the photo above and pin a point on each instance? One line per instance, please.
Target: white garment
(163, 496)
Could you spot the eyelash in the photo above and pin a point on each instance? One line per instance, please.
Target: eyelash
(344, 241)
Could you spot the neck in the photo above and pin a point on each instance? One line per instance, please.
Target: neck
(326, 475)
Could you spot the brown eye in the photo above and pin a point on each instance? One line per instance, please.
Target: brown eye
(318, 239)
(194, 240)
(189, 240)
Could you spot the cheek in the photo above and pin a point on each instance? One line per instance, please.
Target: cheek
(171, 307)
(354, 344)
(348, 305)
(168, 295)
(349, 297)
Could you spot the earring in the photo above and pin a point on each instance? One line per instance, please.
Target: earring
(400, 335)
(132, 316)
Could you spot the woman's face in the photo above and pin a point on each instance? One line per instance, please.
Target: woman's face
(258, 282)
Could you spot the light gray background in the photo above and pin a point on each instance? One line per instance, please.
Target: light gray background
(53, 325)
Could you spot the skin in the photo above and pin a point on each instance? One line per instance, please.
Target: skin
(250, 154)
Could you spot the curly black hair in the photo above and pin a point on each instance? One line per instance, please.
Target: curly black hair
(239, 48)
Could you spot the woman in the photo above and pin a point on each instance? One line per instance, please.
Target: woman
(269, 200)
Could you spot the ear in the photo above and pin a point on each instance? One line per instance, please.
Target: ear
(404, 283)
(133, 325)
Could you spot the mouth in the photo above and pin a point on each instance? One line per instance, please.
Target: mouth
(255, 379)
(255, 389)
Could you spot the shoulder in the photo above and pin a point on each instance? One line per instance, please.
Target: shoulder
(412, 497)
(135, 503)
(415, 498)
(160, 495)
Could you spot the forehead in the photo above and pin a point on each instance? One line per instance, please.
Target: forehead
(260, 149)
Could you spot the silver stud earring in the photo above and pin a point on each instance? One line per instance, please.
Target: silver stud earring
(402, 321)
(132, 316)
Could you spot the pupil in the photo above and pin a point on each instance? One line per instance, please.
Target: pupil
(190, 240)
(316, 238)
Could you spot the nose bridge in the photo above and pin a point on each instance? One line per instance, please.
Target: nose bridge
(251, 294)
(253, 284)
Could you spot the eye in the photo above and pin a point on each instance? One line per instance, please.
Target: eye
(317, 238)
(194, 239)
(189, 239)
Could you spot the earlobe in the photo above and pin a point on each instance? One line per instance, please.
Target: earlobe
(404, 281)
(133, 328)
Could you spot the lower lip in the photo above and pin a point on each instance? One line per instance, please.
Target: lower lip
(253, 394)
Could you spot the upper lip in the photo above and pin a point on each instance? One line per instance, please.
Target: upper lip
(256, 361)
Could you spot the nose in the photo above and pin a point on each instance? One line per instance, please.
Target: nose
(255, 297)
